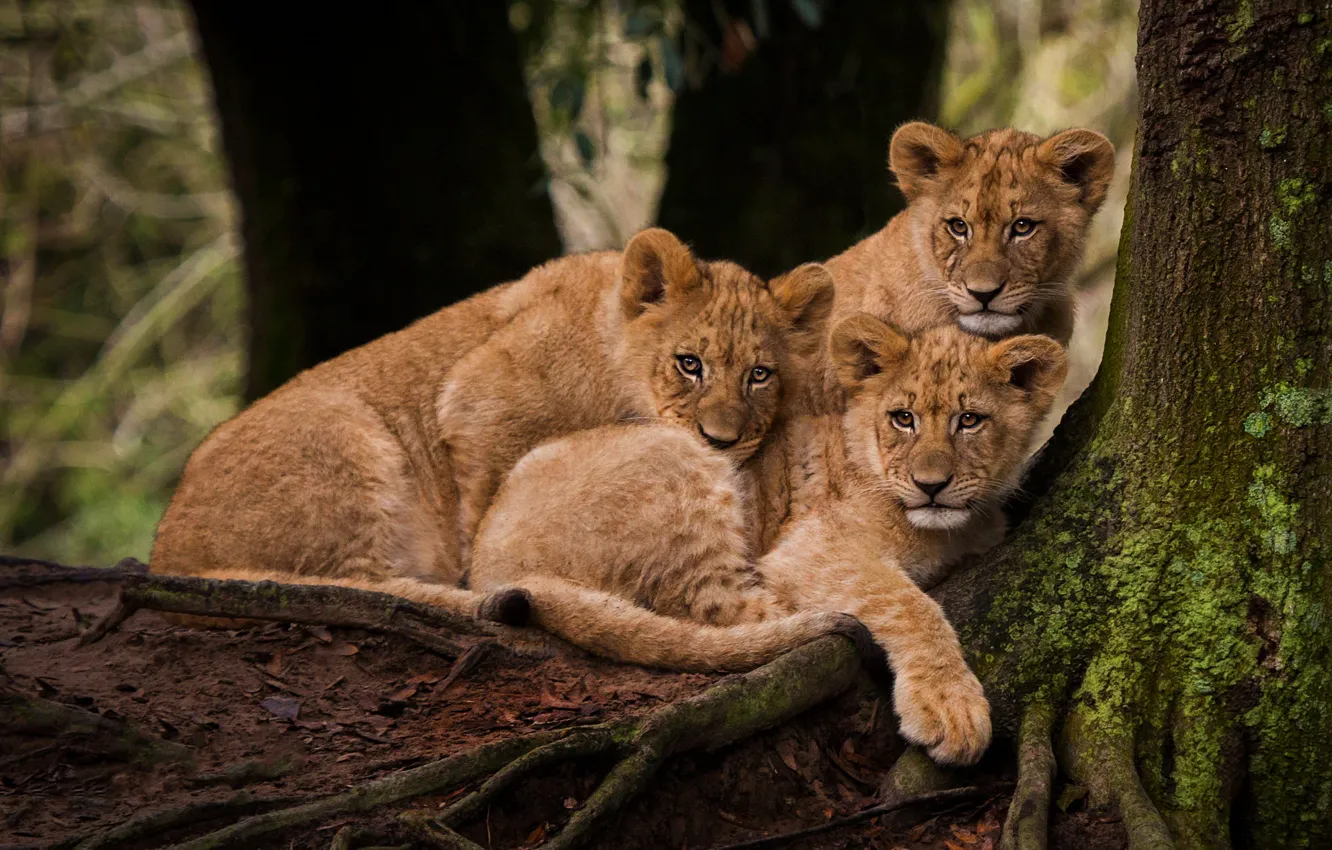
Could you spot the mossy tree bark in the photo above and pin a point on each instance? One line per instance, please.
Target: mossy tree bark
(780, 156)
(386, 165)
(1166, 597)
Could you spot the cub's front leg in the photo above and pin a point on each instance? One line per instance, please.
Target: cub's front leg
(939, 701)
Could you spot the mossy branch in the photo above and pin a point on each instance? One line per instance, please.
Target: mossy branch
(35, 716)
(309, 604)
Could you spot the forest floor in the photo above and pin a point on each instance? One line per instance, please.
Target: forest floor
(331, 708)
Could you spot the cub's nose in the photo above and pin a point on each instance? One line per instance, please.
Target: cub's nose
(932, 488)
(985, 296)
(724, 441)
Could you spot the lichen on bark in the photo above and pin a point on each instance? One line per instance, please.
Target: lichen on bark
(1167, 593)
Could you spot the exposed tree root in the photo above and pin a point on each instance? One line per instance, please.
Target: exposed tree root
(36, 716)
(934, 798)
(588, 742)
(1104, 763)
(913, 774)
(53, 573)
(1028, 822)
(729, 711)
(308, 604)
(253, 770)
(435, 776)
(154, 823)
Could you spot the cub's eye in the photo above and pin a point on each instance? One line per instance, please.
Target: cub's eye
(759, 375)
(689, 364)
(967, 421)
(957, 227)
(1023, 227)
(903, 419)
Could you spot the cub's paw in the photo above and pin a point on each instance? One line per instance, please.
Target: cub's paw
(511, 606)
(945, 712)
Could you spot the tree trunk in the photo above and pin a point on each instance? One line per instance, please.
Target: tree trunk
(386, 165)
(1167, 595)
(785, 158)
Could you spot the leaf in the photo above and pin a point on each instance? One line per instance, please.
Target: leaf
(404, 694)
(810, 11)
(787, 753)
(320, 634)
(429, 678)
(347, 649)
(536, 835)
(274, 665)
(284, 707)
(551, 701)
(587, 151)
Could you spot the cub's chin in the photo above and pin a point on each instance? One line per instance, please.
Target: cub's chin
(938, 518)
(990, 323)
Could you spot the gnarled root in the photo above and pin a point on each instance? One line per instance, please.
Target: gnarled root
(1104, 763)
(153, 823)
(729, 711)
(298, 603)
(34, 716)
(1027, 824)
(913, 774)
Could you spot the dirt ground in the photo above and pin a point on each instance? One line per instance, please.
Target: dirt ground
(338, 707)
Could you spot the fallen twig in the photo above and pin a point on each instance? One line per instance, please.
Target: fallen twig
(951, 795)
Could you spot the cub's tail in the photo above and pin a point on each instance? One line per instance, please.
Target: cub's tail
(615, 628)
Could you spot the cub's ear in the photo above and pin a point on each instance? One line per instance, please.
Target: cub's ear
(863, 346)
(1033, 363)
(805, 295)
(917, 153)
(656, 266)
(1083, 158)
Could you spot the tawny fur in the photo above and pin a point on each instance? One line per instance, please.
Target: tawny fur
(378, 464)
(632, 542)
(916, 273)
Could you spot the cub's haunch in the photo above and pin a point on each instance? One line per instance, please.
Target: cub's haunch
(631, 541)
(376, 466)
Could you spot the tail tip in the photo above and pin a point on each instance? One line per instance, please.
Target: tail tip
(511, 606)
(872, 656)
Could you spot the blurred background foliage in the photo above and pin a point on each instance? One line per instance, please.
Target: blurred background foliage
(122, 316)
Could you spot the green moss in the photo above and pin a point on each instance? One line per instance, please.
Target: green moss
(1280, 230)
(1304, 19)
(1297, 407)
(1295, 195)
(1258, 424)
(1272, 137)
(1241, 22)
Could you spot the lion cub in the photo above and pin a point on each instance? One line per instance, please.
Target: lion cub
(377, 465)
(631, 542)
(993, 232)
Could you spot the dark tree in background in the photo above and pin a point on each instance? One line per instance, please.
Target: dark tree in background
(385, 165)
(780, 157)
